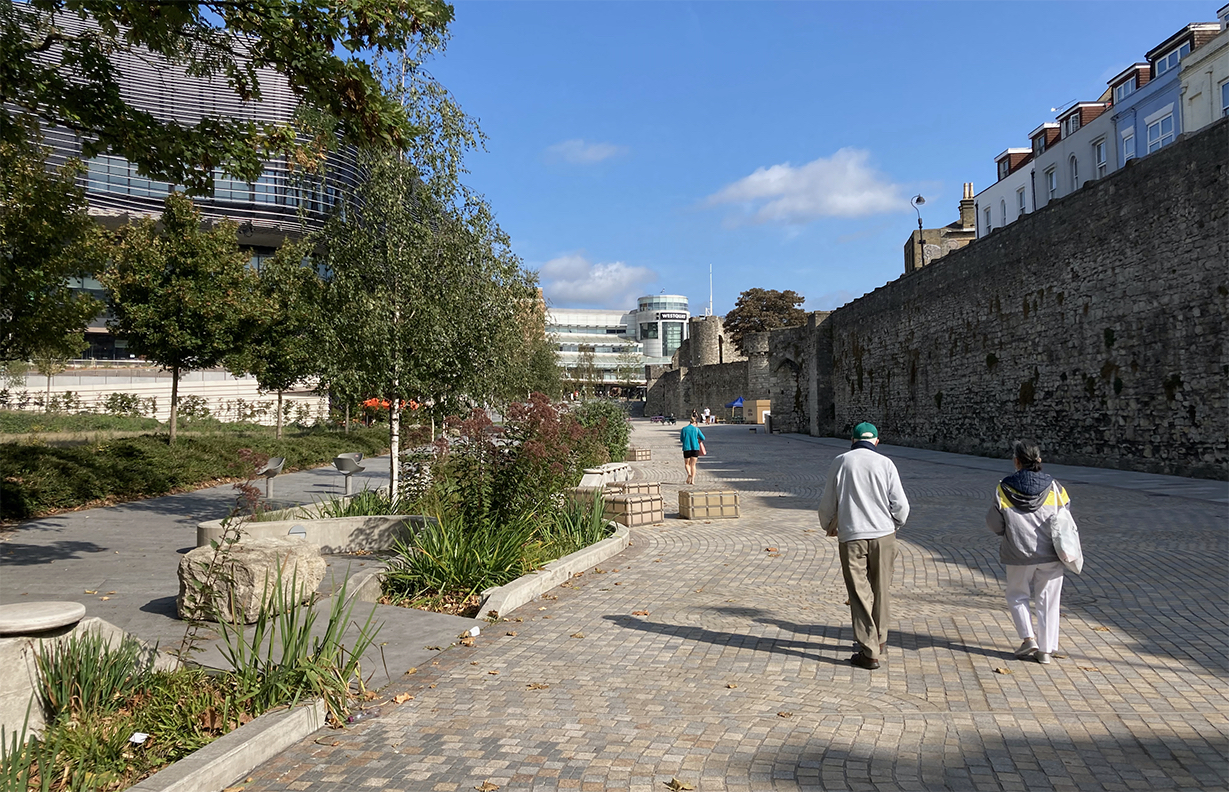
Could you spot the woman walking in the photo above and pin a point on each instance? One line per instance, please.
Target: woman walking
(1024, 502)
(693, 447)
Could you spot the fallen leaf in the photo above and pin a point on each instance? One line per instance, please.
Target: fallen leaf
(809, 530)
(245, 718)
(467, 641)
(519, 619)
(434, 648)
(1002, 670)
(110, 592)
(549, 597)
(785, 714)
(678, 785)
(657, 561)
(774, 555)
(640, 613)
(548, 617)
(731, 686)
(493, 672)
(536, 686)
(211, 720)
(487, 786)
(618, 584)
(233, 788)
(91, 592)
(730, 600)
(412, 671)
(510, 632)
(542, 608)
(327, 741)
(104, 599)
(402, 698)
(578, 635)
(1088, 668)
(432, 686)
(475, 662)
(599, 571)
(770, 549)
(1098, 629)
(369, 694)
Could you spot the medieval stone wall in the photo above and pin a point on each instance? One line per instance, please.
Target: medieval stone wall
(1095, 325)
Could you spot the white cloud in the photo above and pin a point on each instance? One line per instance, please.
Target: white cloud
(578, 152)
(573, 281)
(843, 185)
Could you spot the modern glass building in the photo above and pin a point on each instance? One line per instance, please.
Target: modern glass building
(282, 203)
(600, 347)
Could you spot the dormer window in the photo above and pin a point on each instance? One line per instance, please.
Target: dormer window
(1171, 58)
(1039, 145)
(1125, 89)
(1004, 168)
(1073, 124)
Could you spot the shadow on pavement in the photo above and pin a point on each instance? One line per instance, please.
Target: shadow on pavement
(19, 554)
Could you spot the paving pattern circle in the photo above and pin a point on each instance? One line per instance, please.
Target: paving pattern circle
(716, 652)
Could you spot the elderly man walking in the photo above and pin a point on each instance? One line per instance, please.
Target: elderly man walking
(863, 504)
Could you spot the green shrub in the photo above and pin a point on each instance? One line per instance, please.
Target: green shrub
(83, 673)
(609, 420)
(35, 480)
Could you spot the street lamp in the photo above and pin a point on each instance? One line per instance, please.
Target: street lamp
(920, 260)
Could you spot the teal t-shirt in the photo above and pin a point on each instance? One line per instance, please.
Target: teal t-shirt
(691, 437)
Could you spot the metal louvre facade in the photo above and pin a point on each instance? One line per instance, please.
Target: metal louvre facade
(267, 211)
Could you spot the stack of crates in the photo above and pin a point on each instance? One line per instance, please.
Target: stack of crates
(638, 455)
(708, 504)
(634, 510)
(635, 488)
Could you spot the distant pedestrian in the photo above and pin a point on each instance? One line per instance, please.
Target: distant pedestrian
(707, 417)
(693, 447)
(1024, 502)
(863, 505)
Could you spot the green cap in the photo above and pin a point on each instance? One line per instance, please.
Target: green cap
(865, 431)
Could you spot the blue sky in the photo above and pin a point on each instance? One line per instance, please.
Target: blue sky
(631, 145)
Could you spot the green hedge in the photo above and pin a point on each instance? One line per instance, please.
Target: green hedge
(36, 479)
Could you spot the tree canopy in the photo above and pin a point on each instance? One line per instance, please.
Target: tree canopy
(758, 310)
(57, 64)
(46, 238)
(183, 296)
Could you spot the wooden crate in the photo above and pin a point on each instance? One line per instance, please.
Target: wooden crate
(638, 455)
(635, 488)
(708, 504)
(583, 495)
(633, 510)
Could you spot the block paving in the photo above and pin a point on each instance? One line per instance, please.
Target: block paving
(716, 653)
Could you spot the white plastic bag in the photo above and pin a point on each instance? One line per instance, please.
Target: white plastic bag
(1066, 537)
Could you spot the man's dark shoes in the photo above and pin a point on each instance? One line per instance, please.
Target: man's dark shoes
(862, 661)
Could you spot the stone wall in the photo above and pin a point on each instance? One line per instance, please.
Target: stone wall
(1095, 325)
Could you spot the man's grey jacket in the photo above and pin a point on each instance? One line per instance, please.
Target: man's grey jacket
(863, 498)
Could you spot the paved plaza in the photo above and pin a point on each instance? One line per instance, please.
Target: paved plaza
(715, 653)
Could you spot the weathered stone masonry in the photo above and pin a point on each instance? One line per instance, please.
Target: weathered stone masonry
(1095, 325)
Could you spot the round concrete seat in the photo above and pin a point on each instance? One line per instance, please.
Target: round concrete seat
(24, 618)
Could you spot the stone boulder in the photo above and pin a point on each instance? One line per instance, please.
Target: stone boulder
(248, 575)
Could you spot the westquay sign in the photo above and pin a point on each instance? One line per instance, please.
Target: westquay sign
(671, 315)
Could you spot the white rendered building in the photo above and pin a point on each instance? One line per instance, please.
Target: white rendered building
(616, 340)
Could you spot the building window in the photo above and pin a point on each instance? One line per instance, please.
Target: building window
(1098, 157)
(1160, 133)
(1021, 207)
(1124, 90)
(673, 339)
(1004, 168)
(1224, 99)
(648, 330)
(1075, 174)
(988, 220)
(1128, 148)
(1003, 213)
(1039, 145)
(1073, 124)
(1170, 59)
(1051, 184)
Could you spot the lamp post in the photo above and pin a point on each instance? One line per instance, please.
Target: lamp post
(915, 202)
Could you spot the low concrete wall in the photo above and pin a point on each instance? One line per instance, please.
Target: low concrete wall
(333, 534)
(502, 600)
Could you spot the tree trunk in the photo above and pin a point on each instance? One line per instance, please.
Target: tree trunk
(174, 399)
(347, 417)
(279, 415)
(394, 460)
(47, 401)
